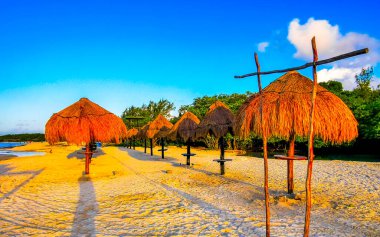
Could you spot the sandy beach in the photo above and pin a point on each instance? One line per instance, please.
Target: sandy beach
(129, 193)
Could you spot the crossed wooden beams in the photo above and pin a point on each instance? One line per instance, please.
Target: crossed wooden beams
(310, 157)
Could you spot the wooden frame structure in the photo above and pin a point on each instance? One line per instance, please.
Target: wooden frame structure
(290, 157)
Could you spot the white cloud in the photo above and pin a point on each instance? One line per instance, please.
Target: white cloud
(262, 46)
(331, 42)
(344, 75)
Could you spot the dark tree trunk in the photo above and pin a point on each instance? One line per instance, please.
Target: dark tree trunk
(291, 164)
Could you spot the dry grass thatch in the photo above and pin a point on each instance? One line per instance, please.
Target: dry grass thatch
(84, 122)
(286, 110)
(218, 121)
(163, 132)
(132, 133)
(185, 127)
(156, 125)
(142, 132)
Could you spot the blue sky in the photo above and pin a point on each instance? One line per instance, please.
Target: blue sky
(123, 53)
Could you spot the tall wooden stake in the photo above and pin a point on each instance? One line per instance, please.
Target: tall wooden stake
(291, 164)
(266, 187)
(145, 145)
(311, 142)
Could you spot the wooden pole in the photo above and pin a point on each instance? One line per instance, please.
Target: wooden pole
(151, 147)
(222, 171)
(134, 143)
(87, 162)
(145, 145)
(311, 142)
(291, 164)
(188, 153)
(330, 60)
(162, 148)
(266, 186)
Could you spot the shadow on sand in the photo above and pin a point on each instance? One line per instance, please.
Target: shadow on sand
(146, 157)
(87, 209)
(78, 154)
(4, 170)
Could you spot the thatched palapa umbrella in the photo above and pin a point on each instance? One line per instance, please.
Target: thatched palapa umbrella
(159, 124)
(84, 122)
(185, 129)
(217, 122)
(286, 111)
(131, 134)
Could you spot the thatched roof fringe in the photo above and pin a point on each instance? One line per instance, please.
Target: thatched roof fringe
(84, 122)
(156, 125)
(218, 121)
(286, 110)
(185, 127)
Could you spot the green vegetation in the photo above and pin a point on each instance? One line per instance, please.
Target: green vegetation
(363, 101)
(35, 137)
(147, 112)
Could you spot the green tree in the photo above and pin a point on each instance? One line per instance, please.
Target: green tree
(147, 112)
(364, 78)
(335, 87)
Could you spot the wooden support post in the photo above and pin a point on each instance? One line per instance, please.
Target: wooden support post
(188, 153)
(87, 162)
(134, 143)
(145, 145)
(266, 186)
(291, 164)
(311, 142)
(162, 148)
(151, 147)
(221, 141)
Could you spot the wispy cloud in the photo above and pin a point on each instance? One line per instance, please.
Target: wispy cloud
(262, 46)
(331, 42)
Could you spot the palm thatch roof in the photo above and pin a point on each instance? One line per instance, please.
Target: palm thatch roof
(156, 125)
(163, 132)
(218, 121)
(185, 127)
(132, 132)
(142, 131)
(286, 111)
(84, 122)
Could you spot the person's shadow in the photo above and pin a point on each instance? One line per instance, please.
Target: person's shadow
(87, 209)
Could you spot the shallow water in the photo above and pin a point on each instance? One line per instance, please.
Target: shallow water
(11, 144)
(20, 153)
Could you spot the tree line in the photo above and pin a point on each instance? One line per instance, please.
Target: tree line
(364, 102)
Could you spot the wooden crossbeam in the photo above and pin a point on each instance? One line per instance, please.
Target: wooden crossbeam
(321, 62)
